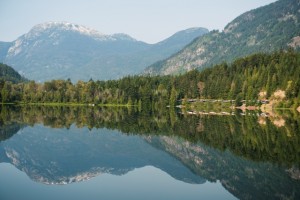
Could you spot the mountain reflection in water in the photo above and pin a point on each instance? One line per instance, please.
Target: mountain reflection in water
(62, 145)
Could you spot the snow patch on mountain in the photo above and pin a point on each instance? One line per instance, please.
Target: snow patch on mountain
(55, 27)
(56, 30)
(64, 26)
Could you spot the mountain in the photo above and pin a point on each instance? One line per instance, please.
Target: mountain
(4, 46)
(243, 178)
(8, 130)
(176, 42)
(265, 29)
(61, 50)
(52, 156)
(248, 154)
(7, 73)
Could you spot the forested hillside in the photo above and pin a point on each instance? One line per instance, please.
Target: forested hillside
(247, 77)
(258, 76)
(7, 73)
(265, 29)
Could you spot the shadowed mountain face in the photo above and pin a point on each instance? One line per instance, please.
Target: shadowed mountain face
(265, 29)
(60, 50)
(242, 178)
(252, 160)
(4, 46)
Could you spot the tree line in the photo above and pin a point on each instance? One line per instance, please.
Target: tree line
(245, 78)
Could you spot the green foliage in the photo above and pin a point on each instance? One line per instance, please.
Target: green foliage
(248, 76)
(238, 100)
(241, 80)
(7, 73)
(242, 135)
(173, 97)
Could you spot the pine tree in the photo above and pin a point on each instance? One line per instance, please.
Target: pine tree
(173, 97)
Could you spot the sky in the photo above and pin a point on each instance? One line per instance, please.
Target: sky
(147, 20)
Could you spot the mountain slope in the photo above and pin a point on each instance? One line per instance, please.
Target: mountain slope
(176, 42)
(264, 29)
(7, 73)
(4, 46)
(243, 178)
(60, 50)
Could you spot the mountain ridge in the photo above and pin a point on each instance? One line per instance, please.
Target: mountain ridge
(62, 50)
(265, 29)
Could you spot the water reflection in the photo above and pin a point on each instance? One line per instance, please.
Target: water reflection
(62, 156)
(61, 145)
(145, 183)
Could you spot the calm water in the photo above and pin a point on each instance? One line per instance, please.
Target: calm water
(98, 153)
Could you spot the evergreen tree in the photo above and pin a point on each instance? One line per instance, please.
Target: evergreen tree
(173, 97)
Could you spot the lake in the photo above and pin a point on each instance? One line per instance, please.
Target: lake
(125, 153)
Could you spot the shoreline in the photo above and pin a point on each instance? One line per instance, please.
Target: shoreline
(69, 104)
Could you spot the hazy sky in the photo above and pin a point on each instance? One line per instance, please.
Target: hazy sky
(147, 20)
